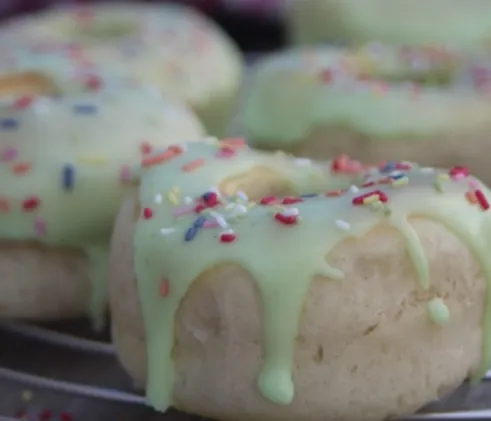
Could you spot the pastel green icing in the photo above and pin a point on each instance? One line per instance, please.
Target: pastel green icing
(289, 97)
(275, 254)
(100, 136)
(465, 25)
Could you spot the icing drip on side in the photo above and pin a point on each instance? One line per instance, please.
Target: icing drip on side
(268, 240)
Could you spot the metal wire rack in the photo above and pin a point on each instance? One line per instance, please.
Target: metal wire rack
(91, 386)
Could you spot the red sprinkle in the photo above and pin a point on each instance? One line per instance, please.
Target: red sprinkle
(226, 152)
(45, 415)
(269, 200)
(227, 237)
(481, 199)
(286, 219)
(4, 205)
(334, 193)
(344, 164)
(31, 203)
(66, 416)
(402, 166)
(164, 288)
(145, 148)
(21, 168)
(23, 102)
(290, 200)
(147, 213)
(459, 171)
(93, 82)
(358, 200)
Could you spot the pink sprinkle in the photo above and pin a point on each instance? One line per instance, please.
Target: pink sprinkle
(225, 152)
(210, 223)
(125, 173)
(473, 184)
(183, 210)
(40, 226)
(9, 154)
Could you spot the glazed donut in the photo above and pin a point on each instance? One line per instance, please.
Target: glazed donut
(451, 23)
(302, 304)
(227, 167)
(375, 104)
(65, 166)
(169, 46)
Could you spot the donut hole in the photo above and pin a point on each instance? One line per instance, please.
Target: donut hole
(27, 83)
(258, 183)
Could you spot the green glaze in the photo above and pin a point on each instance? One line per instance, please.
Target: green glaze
(275, 254)
(99, 136)
(290, 95)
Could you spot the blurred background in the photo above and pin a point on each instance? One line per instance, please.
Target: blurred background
(256, 25)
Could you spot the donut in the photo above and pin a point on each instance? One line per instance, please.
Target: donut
(374, 103)
(226, 167)
(309, 307)
(168, 46)
(450, 23)
(65, 166)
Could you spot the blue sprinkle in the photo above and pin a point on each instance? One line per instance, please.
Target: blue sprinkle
(68, 176)
(398, 176)
(390, 166)
(191, 233)
(199, 222)
(9, 123)
(85, 109)
(206, 196)
(309, 195)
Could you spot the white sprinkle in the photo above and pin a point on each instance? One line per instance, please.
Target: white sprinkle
(238, 210)
(242, 195)
(302, 162)
(219, 218)
(188, 200)
(291, 212)
(427, 170)
(167, 231)
(396, 173)
(354, 189)
(158, 198)
(343, 225)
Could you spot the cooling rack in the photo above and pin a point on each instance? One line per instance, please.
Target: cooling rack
(65, 373)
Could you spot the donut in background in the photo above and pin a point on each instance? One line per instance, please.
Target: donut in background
(168, 46)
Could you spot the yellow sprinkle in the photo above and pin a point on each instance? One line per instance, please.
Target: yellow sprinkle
(176, 189)
(443, 177)
(370, 199)
(172, 198)
(93, 160)
(400, 182)
(251, 205)
(439, 186)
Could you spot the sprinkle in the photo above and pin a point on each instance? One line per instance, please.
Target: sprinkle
(241, 195)
(145, 148)
(21, 168)
(4, 205)
(92, 82)
(68, 176)
(191, 233)
(199, 222)
(228, 237)
(84, 109)
(368, 198)
(235, 143)
(226, 152)
(302, 162)
(471, 197)
(399, 181)
(9, 124)
(308, 196)
(342, 225)
(9, 154)
(167, 231)
(158, 198)
(23, 102)
(481, 198)
(344, 164)
(354, 189)
(286, 219)
(147, 213)
(290, 200)
(269, 200)
(458, 173)
(66, 416)
(188, 200)
(30, 203)
(125, 173)
(93, 160)
(334, 193)
(191, 166)
(169, 153)
(164, 288)
(40, 226)
(211, 223)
